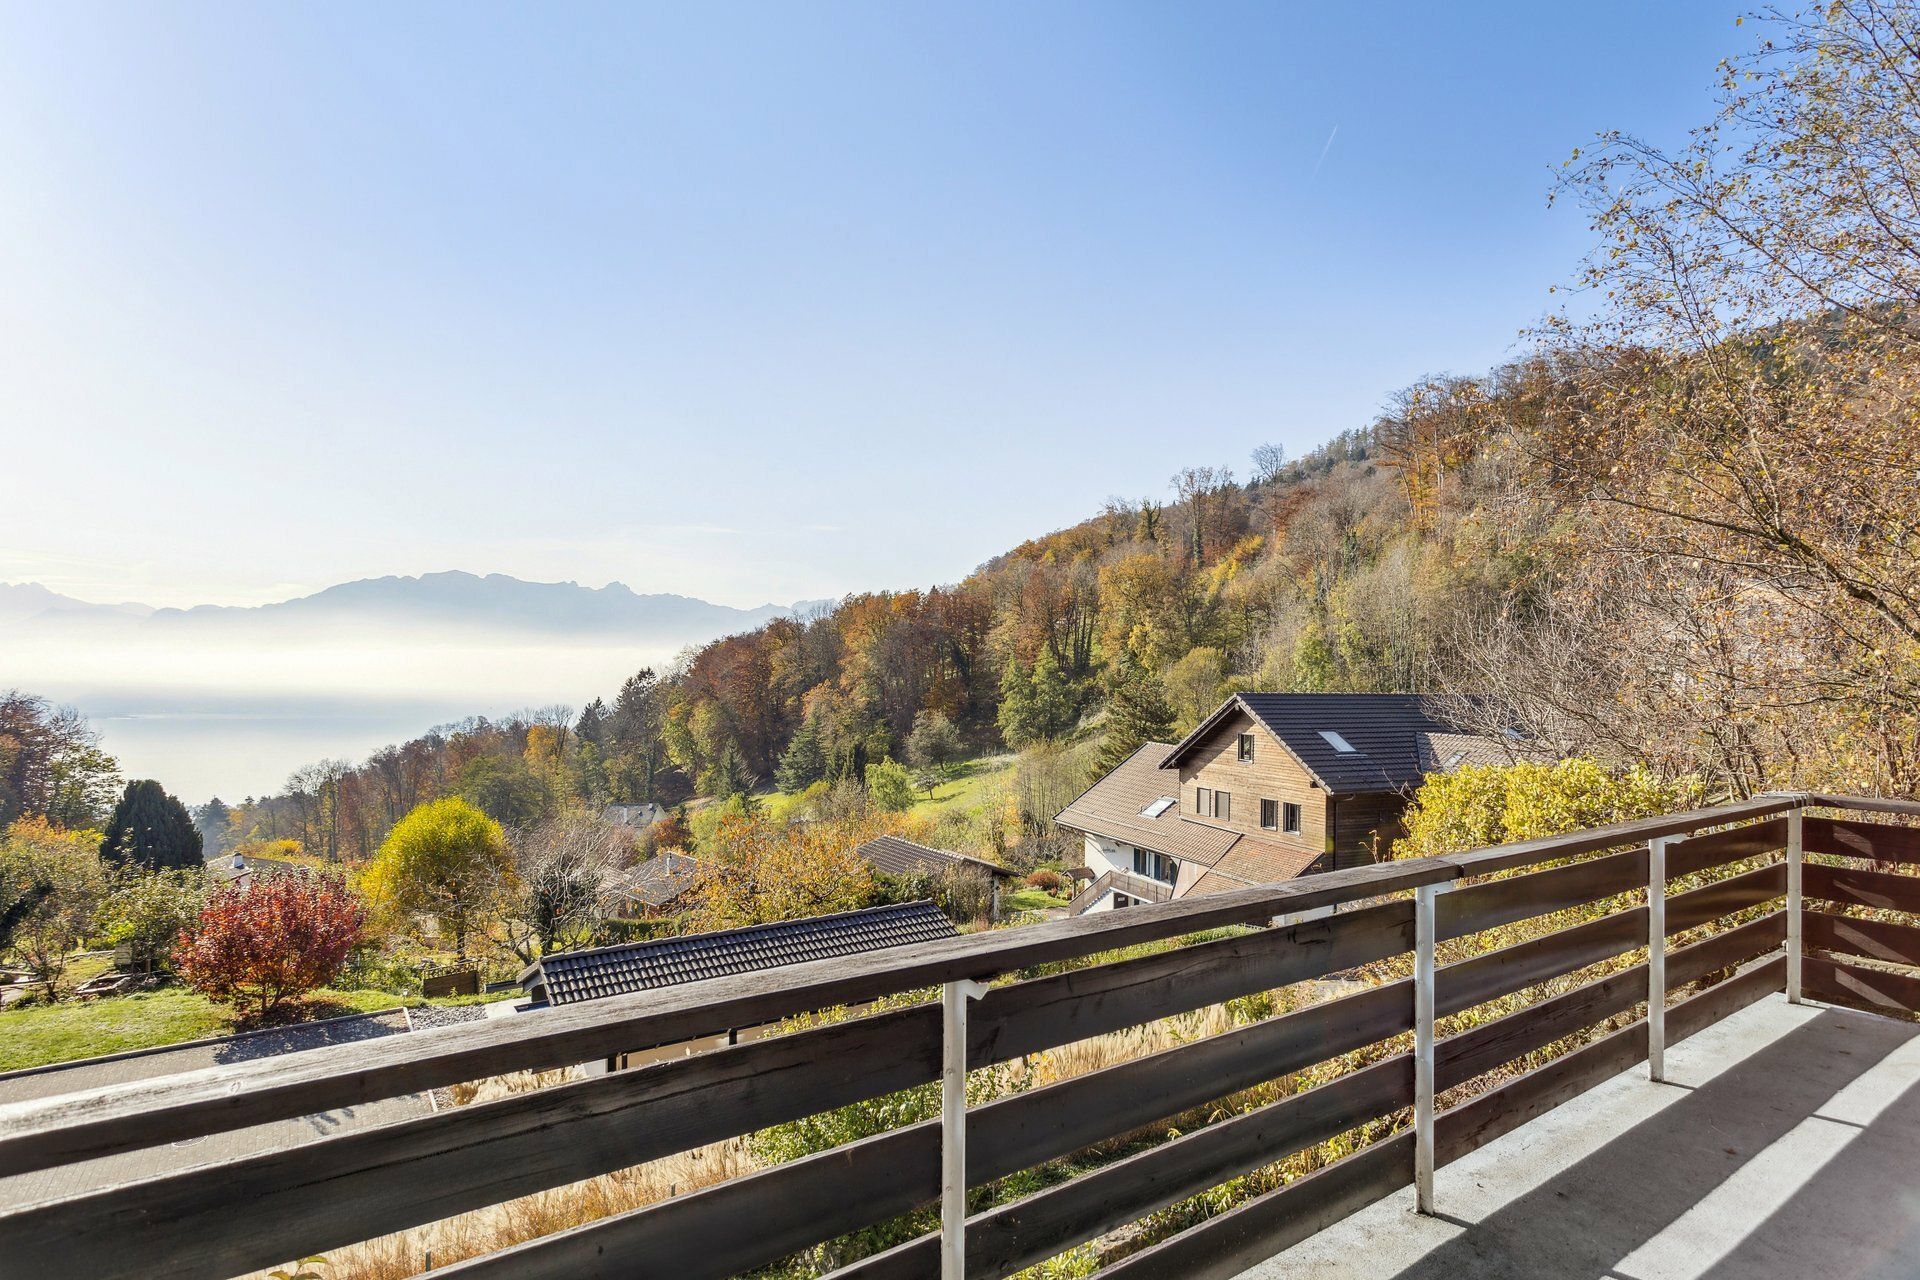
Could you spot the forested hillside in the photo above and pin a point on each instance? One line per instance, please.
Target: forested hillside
(1680, 530)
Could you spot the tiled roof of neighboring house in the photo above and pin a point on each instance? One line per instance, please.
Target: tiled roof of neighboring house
(1444, 752)
(1257, 861)
(1387, 734)
(1115, 807)
(659, 880)
(1215, 882)
(667, 962)
(630, 815)
(896, 856)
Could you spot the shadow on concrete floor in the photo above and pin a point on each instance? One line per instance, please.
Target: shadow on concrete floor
(1849, 1209)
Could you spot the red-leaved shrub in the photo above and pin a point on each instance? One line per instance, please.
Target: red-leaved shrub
(1046, 878)
(263, 947)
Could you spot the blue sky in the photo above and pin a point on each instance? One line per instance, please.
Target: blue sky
(752, 302)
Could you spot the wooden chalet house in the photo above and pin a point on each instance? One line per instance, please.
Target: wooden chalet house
(1268, 787)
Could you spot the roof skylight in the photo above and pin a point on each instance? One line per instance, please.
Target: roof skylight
(1159, 807)
(1337, 742)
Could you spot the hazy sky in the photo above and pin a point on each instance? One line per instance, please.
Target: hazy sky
(751, 302)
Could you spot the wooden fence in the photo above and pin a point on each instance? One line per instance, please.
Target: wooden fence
(241, 1214)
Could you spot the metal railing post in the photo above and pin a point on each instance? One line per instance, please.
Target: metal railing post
(953, 1125)
(1796, 856)
(1423, 1055)
(1657, 958)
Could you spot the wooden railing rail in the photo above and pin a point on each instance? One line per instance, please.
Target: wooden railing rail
(326, 1194)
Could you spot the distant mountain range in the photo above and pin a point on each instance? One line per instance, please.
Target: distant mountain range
(439, 604)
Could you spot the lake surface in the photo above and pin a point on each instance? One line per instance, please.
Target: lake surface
(235, 723)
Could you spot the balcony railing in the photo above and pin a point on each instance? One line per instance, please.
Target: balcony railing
(1139, 888)
(229, 1217)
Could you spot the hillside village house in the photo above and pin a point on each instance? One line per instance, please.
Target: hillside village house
(897, 856)
(1268, 787)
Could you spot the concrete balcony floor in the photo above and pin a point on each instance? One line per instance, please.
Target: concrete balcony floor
(1786, 1143)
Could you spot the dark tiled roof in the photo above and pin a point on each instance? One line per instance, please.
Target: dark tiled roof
(659, 880)
(631, 815)
(1388, 732)
(897, 856)
(667, 962)
(1445, 752)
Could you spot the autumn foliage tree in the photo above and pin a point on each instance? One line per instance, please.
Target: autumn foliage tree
(51, 890)
(447, 860)
(262, 948)
(755, 870)
(1483, 805)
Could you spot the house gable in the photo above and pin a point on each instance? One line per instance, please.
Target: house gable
(1216, 766)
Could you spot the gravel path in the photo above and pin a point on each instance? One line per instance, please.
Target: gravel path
(427, 1017)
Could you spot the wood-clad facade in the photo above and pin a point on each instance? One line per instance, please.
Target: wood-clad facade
(1269, 773)
(1347, 830)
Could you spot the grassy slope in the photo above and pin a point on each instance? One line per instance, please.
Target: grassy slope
(969, 790)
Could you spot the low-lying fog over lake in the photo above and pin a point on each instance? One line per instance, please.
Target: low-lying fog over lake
(228, 702)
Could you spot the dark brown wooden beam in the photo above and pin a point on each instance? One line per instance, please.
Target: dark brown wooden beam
(1859, 887)
(1856, 838)
(1869, 939)
(1858, 987)
(1692, 909)
(1020, 1234)
(324, 1195)
(1526, 964)
(1503, 902)
(1527, 853)
(1686, 857)
(887, 1175)
(1224, 1246)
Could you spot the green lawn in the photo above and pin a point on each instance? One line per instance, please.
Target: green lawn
(966, 791)
(973, 782)
(40, 1034)
(35, 1036)
(1030, 900)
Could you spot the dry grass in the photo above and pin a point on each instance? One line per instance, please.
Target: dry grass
(408, 1253)
(1083, 1057)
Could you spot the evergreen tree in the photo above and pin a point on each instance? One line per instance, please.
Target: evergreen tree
(151, 829)
(803, 763)
(1016, 704)
(1137, 712)
(730, 776)
(592, 729)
